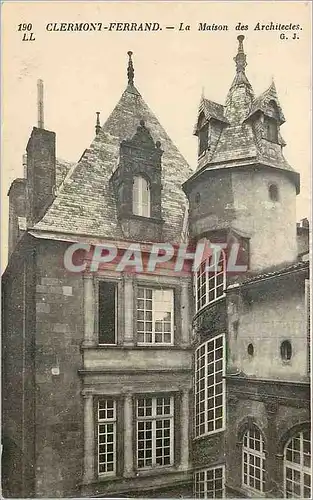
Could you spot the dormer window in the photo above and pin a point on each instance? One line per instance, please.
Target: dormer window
(137, 184)
(141, 196)
(271, 129)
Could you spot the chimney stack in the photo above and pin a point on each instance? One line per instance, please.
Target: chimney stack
(40, 104)
(41, 160)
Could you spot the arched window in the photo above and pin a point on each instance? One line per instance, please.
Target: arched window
(211, 279)
(141, 196)
(203, 134)
(253, 460)
(297, 466)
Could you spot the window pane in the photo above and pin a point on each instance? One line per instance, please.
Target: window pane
(297, 464)
(141, 197)
(209, 387)
(210, 483)
(154, 433)
(106, 436)
(253, 459)
(155, 315)
(210, 279)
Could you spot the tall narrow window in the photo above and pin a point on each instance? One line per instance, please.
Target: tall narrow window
(106, 424)
(155, 430)
(286, 350)
(253, 460)
(210, 386)
(210, 483)
(141, 196)
(211, 279)
(273, 192)
(155, 316)
(107, 312)
(271, 129)
(297, 466)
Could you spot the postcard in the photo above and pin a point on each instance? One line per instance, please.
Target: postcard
(156, 214)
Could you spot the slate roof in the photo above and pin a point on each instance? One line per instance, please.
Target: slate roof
(211, 109)
(85, 202)
(278, 271)
(61, 167)
(259, 104)
(239, 139)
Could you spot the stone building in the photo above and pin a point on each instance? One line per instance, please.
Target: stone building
(163, 383)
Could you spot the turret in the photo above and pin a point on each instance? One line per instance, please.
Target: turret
(244, 188)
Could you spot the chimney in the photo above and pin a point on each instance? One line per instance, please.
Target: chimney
(40, 165)
(303, 237)
(40, 104)
(305, 223)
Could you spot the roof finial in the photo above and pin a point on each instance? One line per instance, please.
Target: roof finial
(98, 126)
(240, 58)
(40, 104)
(130, 69)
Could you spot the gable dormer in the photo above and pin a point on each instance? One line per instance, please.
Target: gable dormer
(267, 116)
(137, 185)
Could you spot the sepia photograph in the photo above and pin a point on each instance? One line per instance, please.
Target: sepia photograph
(155, 251)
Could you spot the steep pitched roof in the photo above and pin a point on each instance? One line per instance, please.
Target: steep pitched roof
(210, 109)
(240, 142)
(261, 102)
(85, 203)
(61, 169)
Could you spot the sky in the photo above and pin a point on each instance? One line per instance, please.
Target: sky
(85, 72)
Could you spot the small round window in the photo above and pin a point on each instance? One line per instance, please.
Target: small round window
(273, 192)
(285, 350)
(250, 349)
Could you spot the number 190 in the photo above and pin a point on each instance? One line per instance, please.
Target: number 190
(25, 27)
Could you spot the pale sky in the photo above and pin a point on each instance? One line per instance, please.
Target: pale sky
(85, 72)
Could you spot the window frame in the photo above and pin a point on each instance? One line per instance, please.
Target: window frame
(154, 418)
(138, 208)
(147, 287)
(197, 393)
(202, 271)
(261, 454)
(205, 471)
(286, 351)
(105, 422)
(116, 307)
(273, 192)
(301, 468)
(271, 128)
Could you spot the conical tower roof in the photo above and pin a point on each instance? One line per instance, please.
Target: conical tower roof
(240, 142)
